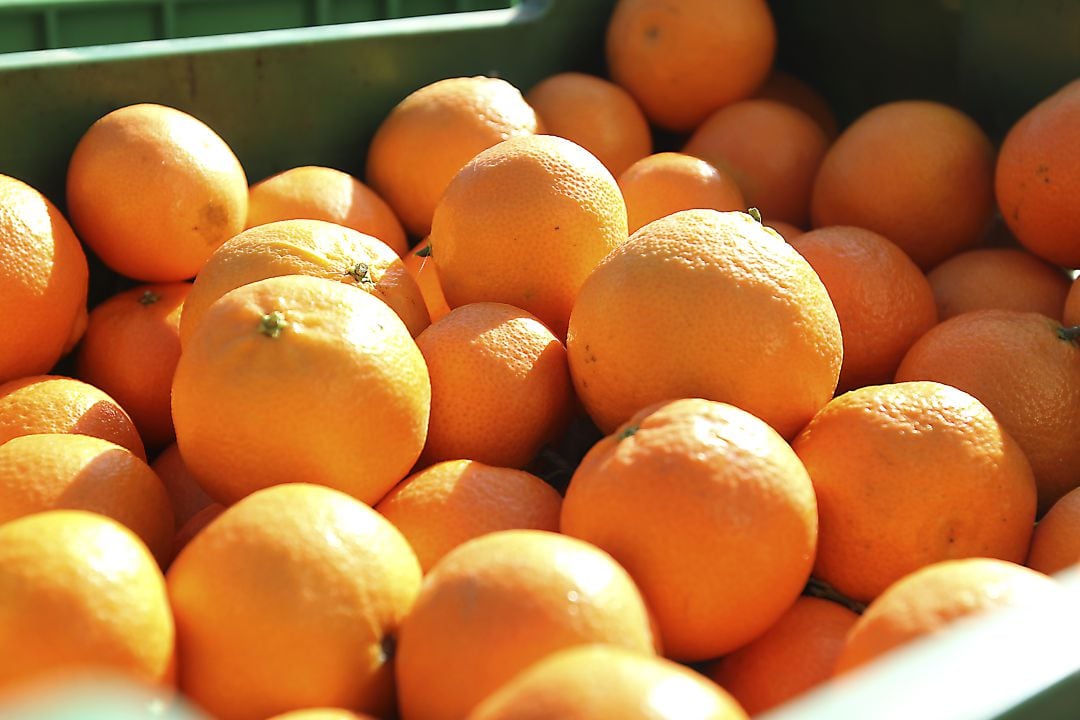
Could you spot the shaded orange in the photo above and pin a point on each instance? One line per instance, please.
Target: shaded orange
(1055, 545)
(1072, 304)
(423, 270)
(998, 278)
(787, 88)
(660, 184)
(195, 525)
(185, 495)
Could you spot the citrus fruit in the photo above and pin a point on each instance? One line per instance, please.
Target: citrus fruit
(660, 184)
(1055, 545)
(186, 496)
(787, 88)
(421, 266)
(998, 278)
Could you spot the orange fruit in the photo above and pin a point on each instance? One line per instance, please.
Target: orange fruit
(194, 525)
(300, 378)
(524, 223)
(130, 350)
(442, 506)
(290, 599)
(322, 714)
(321, 193)
(1072, 304)
(771, 149)
(704, 505)
(1055, 544)
(153, 191)
(786, 230)
(683, 61)
(43, 282)
(56, 404)
(660, 184)
(607, 681)
(500, 387)
(796, 654)
(1025, 368)
(998, 278)
(79, 472)
(932, 598)
(787, 88)
(430, 135)
(596, 114)
(80, 592)
(496, 604)
(423, 270)
(185, 495)
(908, 474)
(705, 304)
(306, 247)
(1037, 177)
(918, 172)
(882, 298)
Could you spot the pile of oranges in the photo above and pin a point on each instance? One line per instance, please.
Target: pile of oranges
(539, 418)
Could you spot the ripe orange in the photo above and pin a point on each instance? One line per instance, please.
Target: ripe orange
(500, 387)
(786, 230)
(300, 378)
(79, 591)
(524, 223)
(999, 278)
(130, 350)
(681, 61)
(796, 654)
(430, 135)
(306, 247)
(660, 184)
(423, 270)
(1072, 304)
(771, 149)
(290, 599)
(932, 598)
(1037, 178)
(185, 495)
(450, 502)
(909, 474)
(1023, 367)
(918, 172)
(498, 603)
(56, 404)
(882, 298)
(194, 525)
(79, 472)
(1055, 545)
(43, 282)
(705, 304)
(596, 114)
(607, 681)
(322, 714)
(321, 193)
(704, 505)
(787, 88)
(153, 191)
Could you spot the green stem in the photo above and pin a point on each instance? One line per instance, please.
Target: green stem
(149, 297)
(271, 324)
(1069, 334)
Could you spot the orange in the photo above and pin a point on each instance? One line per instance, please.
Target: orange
(79, 472)
(786, 230)
(1037, 178)
(931, 599)
(1072, 304)
(681, 61)
(43, 282)
(194, 525)
(322, 714)
(1026, 369)
(500, 387)
(771, 149)
(321, 193)
(908, 474)
(607, 681)
(290, 599)
(130, 350)
(787, 88)
(450, 502)
(79, 592)
(300, 378)
(1055, 545)
(306, 247)
(56, 404)
(498, 603)
(796, 654)
(153, 191)
(882, 298)
(423, 270)
(660, 184)
(918, 172)
(596, 114)
(185, 495)
(430, 135)
(704, 505)
(524, 223)
(705, 304)
(999, 278)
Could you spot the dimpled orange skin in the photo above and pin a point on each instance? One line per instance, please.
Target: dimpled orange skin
(339, 397)
(289, 599)
(743, 317)
(660, 184)
(498, 603)
(908, 474)
(306, 247)
(998, 278)
(1055, 545)
(524, 223)
(607, 681)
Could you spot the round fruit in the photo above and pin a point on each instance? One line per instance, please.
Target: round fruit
(998, 279)
(664, 183)
(786, 88)
(1055, 545)
(186, 496)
